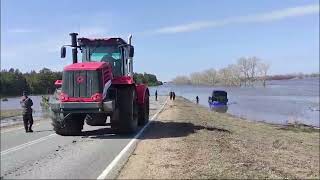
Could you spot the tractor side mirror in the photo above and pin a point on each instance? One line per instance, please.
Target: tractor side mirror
(131, 51)
(63, 52)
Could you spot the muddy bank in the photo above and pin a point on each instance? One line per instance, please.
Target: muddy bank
(188, 141)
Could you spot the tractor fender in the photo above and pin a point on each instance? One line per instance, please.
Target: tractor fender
(142, 91)
(123, 80)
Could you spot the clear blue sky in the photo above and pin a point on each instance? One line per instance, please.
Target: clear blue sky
(170, 37)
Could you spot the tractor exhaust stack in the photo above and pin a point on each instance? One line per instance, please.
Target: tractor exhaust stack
(74, 47)
(129, 39)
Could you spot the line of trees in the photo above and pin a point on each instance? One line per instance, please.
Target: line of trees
(293, 76)
(145, 78)
(246, 72)
(13, 82)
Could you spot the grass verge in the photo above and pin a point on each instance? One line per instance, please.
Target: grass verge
(188, 141)
(10, 113)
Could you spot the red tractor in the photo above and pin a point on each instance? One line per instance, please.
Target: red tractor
(100, 86)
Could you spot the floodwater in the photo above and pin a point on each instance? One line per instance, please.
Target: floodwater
(14, 103)
(280, 102)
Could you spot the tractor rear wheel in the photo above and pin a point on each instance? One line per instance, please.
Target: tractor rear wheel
(125, 117)
(144, 111)
(71, 125)
(96, 119)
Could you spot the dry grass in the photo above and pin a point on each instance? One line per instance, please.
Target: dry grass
(188, 141)
(10, 113)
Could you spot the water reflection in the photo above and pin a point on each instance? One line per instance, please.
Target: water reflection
(219, 109)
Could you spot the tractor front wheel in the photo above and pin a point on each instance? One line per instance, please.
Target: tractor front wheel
(144, 111)
(125, 117)
(67, 124)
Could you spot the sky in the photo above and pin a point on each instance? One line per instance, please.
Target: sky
(170, 37)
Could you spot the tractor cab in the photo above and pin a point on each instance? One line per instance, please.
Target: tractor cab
(115, 51)
(218, 97)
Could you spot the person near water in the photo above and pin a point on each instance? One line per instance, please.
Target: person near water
(26, 103)
(197, 99)
(170, 95)
(173, 95)
(156, 94)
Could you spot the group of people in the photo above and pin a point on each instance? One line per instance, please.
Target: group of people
(172, 95)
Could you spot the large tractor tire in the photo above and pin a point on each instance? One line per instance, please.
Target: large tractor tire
(96, 119)
(125, 117)
(144, 111)
(70, 126)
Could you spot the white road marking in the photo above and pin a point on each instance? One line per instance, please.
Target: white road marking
(114, 162)
(17, 128)
(26, 144)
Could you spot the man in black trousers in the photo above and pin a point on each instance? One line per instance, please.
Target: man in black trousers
(26, 104)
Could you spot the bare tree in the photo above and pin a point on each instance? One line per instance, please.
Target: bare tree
(210, 77)
(244, 67)
(229, 76)
(263, 72)
(235, 75)
(181, 80)
(253, 66)
(248, 69)
(196, 78)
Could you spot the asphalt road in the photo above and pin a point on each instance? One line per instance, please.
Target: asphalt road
(44, 155)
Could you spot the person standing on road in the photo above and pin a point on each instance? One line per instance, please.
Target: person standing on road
(156, 94)
(197, 99)
(173, 95)
(26, 104)
(170, 95)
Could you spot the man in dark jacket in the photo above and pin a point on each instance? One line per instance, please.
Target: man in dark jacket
(26, 104)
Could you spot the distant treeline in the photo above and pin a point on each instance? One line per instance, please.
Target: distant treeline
(246, 72)
(13, 82)
(145, 78)
(293, 76)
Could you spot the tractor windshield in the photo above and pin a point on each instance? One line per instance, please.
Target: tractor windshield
(104, 53)
(111, 54)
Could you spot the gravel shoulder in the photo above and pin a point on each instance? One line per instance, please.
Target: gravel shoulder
(188, 141)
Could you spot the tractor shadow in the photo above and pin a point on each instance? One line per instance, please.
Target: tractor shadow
(156, 130)
(167, 129)
(105, 133)
(38, 131)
